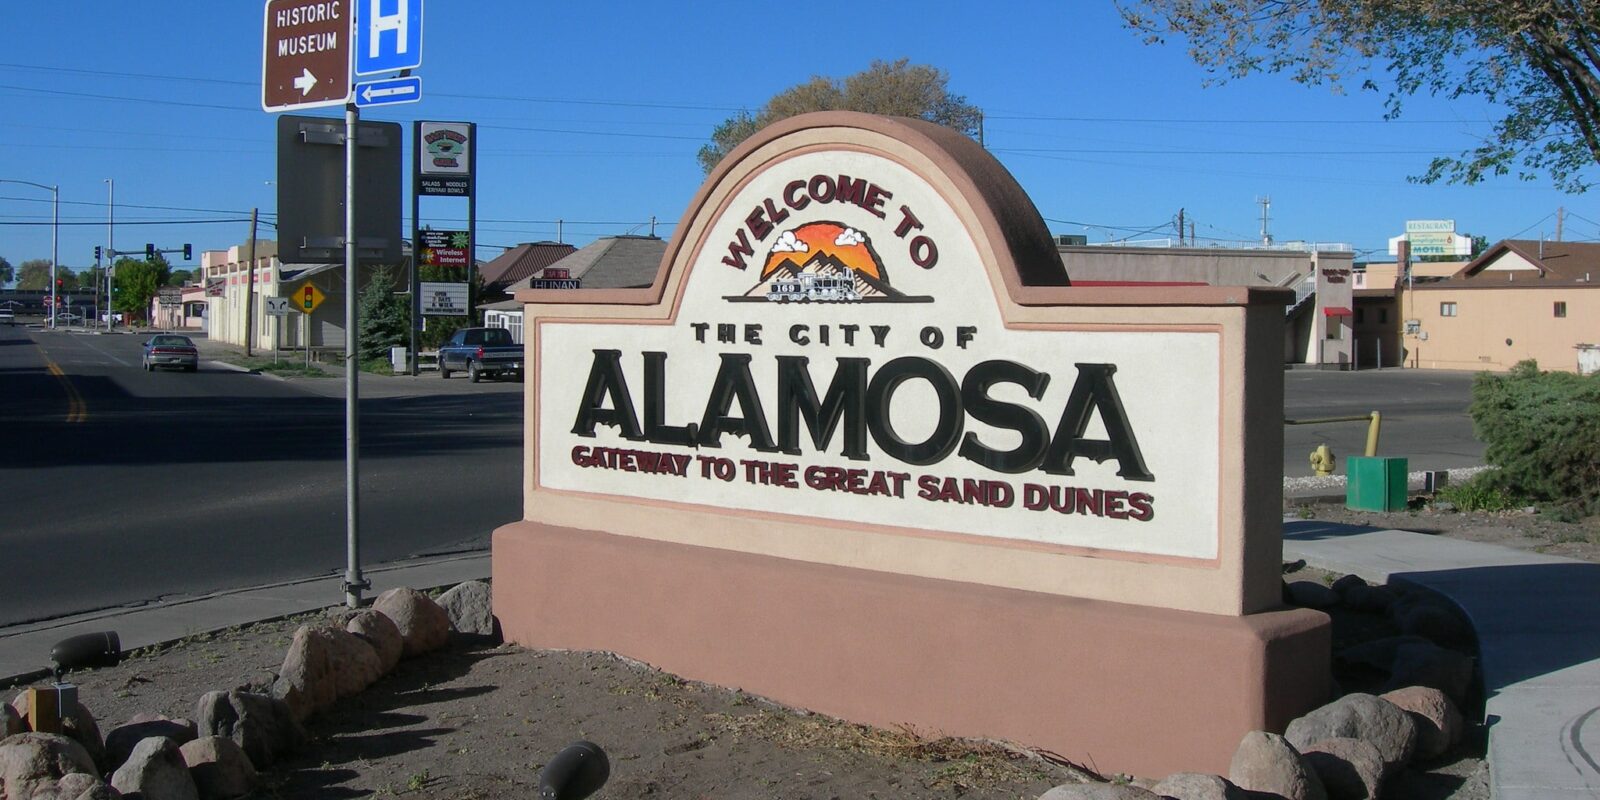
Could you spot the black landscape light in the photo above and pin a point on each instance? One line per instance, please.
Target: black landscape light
(576, 772)
(86, 651)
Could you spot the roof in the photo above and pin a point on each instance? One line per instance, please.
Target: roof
(615, 262)
(522, 262)
(1527, 263)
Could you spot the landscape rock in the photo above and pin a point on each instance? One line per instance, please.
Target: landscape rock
(155, 771)
(424, 626)
(1265, 762)
(470, 606)
(1380, 654)
(355, 662)
(1311, 594)
(378, 630)
(123, 738)
(10, 721)
(220, 768)
(1427, 664)
(306, 681)
(28, 760)
(80, 786)
(1197, 786)
(1359, 716)
(1098, 791)
(1358, 595)
(1350, 769)
(1439, 724)
(1434, 620)
(76, 723)
(263, 726)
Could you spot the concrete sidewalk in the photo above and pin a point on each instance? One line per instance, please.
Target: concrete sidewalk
(1537, 619)
(25, 649)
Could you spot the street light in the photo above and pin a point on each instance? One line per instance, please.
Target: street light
(55, 236)
(111, 250)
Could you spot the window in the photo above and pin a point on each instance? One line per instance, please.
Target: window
(1561, 309)
(1383, 315)
(1447, 309)
(1361, 316)
(1335, 328)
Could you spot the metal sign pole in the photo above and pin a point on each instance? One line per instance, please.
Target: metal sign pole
(353, 584)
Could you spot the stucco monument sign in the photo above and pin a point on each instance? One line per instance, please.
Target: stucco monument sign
(862, 448)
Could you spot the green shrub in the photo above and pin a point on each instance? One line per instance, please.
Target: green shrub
(1542, 430)
(1478, 493)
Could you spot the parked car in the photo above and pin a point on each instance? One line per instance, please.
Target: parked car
(68, 318)
(479, 352)
(7, 317)
(171, 350)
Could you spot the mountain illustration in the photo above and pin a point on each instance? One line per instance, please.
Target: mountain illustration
(828, 250)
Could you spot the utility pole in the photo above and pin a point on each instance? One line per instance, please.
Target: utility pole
(1561, 217)
(980, 129)
(1180, 227)
(250, 287)
(111, 250)
(1266, 206)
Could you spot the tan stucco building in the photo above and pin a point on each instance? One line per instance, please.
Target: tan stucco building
(1519, 300)
(230, 290)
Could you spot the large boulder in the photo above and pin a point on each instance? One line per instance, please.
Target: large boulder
(470, 606)
(260, 724)
(1427, 664)
(76, 724)
(155, 771)
(306, 680)
(1350, 769)
(1310, 594)
(1433, 619)
(220, 768)
(1098, 791)
(76, 786)
(378, 630)
(1265, 762)
(1359, 716)
(1197, 786)
(123, 738)
(424, 626)
(1439, 723)
(28, 760)
(355, 662)
(11, 722)
(1358, 595)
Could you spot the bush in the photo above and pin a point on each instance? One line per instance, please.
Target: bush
(1478, 493)
(1542, 429)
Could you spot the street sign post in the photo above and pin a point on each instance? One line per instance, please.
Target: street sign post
(388, 36)
(305, 57)
(389, 92)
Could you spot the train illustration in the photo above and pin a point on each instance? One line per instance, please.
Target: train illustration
(811, 287)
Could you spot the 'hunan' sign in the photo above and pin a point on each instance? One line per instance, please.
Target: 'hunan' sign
(838, 353)
(861, 448)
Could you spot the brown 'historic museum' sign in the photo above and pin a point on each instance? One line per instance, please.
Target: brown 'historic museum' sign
(862, 448)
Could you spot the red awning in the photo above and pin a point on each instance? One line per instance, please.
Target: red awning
(1335, 311)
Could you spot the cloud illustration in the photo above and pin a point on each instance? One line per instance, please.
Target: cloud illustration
(787, 243)
(848, 237)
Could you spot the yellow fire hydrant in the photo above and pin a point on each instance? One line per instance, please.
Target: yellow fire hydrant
(1322, 461)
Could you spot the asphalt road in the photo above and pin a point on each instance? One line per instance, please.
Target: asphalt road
(119, 486)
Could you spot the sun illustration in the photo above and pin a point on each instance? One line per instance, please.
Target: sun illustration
(824, 243)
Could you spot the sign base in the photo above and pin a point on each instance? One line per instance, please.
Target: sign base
(1126, 688)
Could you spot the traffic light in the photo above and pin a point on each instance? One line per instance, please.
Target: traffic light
(149, 252)
(97, 252)
(188, 251)
(59, 282)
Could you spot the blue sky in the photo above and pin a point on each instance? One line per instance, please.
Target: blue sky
(592, 113)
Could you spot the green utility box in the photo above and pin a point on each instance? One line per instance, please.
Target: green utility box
(1376, 484)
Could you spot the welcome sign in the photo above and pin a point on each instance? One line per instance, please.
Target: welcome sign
(862, 448)
(839, 353)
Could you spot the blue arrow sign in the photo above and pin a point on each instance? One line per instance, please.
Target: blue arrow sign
(389, 92)
(388, 36)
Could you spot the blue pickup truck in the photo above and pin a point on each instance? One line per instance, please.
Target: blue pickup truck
(479, 352)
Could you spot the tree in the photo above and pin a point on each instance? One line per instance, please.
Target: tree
(34, 274)
(6, 272)
(135, 282)
(385, 317)
(900, 89)
(1538, 60)
(180, 277)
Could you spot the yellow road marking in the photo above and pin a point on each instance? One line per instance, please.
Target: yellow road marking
(77, 411)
